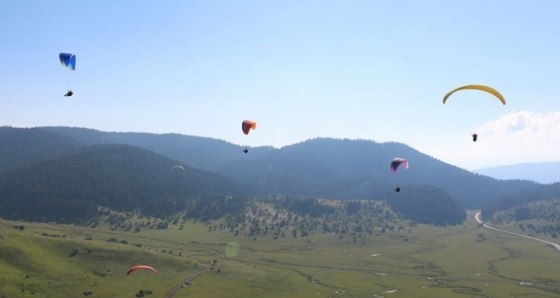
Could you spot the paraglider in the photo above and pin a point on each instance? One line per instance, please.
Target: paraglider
(397, 162)
(246, 126)
(477, 87)
(177, 169)
(141, 267)
(484, 88)
(68, 60)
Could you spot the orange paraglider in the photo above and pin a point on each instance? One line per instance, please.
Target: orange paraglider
(141, 267)
(248, 125)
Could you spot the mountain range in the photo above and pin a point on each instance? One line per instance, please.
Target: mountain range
(542, 172)
(132, 171)
(321, 167)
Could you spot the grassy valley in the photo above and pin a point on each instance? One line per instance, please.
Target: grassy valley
(53, 260)
(287, 222)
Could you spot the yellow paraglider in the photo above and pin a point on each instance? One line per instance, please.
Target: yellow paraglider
(477, 87)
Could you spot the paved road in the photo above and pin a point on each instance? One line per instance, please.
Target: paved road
(477, 218)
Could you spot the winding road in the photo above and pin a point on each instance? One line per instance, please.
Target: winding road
(477, 218)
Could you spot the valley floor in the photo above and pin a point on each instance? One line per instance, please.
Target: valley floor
(52, 260)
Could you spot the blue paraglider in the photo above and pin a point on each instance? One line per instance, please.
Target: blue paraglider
(68, 60)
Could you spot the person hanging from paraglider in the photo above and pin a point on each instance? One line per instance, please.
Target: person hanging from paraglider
(474, 137)
(68, 61)
(395, 164)
(246, 126)
(484, 88)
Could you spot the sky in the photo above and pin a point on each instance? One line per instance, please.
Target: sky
(374, 70)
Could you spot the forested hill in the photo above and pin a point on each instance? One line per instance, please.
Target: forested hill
(328, 168)
(25, 146)
(200, 152)
(534, 194)
(120, 177)
(358, 168)
(64, 174)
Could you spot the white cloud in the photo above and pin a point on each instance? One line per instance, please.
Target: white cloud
(516, 137)
(524, 124)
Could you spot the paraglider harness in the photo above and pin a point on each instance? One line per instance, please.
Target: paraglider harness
(69, 93)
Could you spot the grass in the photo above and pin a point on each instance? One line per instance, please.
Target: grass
(459, 261)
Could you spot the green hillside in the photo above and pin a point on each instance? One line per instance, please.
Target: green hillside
(120, 177)
(55, 260)
(536, 218)
(533, 194)
(41, 262)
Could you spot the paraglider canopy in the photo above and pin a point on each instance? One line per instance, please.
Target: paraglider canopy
(141, 267)
(397, 162)
(248, 125)
(68, 60)
(178, 169)
(477, 87)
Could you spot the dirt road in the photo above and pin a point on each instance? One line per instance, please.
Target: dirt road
(477, 218)
(189, 279)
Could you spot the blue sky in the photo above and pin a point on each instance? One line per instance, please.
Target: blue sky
(373, 70)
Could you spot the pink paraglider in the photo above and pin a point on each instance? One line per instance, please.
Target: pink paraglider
(398, 162)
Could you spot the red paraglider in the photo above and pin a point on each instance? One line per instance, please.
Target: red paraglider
(141, 267)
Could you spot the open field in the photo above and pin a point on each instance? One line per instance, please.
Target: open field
(460, 261)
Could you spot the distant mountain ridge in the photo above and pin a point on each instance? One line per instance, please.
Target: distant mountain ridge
(25, 146)
(37, 163)
(542, 172)
(200, 152)
(321, 167)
